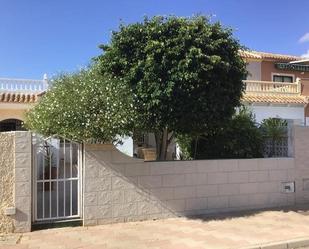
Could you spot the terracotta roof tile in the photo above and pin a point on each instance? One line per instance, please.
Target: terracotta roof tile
(275, 98)
(250, 54)
(24, 98)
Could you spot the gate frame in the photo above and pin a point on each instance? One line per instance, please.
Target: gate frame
(80, 163)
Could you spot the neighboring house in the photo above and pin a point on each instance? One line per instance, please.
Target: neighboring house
(16, 97)
(277, 86)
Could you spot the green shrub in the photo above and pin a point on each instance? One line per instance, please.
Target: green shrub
(238, 138)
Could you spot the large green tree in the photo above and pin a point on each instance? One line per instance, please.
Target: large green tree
(83, 106)
(185, 74)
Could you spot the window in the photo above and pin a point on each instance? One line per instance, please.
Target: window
(283, 78)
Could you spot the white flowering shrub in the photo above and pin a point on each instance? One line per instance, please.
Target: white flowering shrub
(83, 106)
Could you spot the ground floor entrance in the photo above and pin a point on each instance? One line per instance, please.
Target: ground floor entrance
(57, 185)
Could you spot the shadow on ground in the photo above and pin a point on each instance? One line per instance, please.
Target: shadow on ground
(302, 209)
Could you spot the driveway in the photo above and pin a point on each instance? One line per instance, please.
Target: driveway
(237, 231)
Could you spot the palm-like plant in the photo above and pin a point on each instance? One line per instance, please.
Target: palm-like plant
(273, 129)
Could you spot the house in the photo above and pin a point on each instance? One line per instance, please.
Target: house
(16, 97)
(277, 86)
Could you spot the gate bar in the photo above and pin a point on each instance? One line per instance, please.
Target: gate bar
(43, 177)
(71, 166)
(50, 184)
(64, 169)
(57, 152)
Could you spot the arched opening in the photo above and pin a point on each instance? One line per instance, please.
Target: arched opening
(11, 125)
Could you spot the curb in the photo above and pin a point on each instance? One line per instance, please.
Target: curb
(288, 244)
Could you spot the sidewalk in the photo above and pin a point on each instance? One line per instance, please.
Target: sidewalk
(237, 231)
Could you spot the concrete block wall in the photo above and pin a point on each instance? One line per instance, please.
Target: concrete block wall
(301, 148)
(118, 188)
(23, 180)
(15, 181)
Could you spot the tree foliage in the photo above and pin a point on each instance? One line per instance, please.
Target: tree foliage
(166, 75)
(274, 128)
(185, 74)
(238, 138)
(83, 106)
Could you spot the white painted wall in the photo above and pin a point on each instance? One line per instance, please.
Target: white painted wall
(127, 146)
(294, 112)
(254, 69)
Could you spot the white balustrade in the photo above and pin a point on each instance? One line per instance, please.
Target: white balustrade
(270, 87)
(23, 85)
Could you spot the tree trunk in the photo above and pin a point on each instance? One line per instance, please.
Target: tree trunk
(195, 147)
(158, 143)
(162, 142)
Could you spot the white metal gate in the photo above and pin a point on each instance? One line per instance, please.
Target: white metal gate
(57, 186)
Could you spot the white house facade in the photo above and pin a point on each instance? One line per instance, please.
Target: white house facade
(274, 91)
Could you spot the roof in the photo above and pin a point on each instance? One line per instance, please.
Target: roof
(19, 98)
(250, 54)
(275, 99)
(21, 91)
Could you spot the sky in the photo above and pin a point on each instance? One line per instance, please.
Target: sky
(55, 36)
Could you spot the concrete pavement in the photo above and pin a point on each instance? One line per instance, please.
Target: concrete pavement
(236, 231)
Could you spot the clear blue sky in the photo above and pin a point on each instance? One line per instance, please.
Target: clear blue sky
(52, 36)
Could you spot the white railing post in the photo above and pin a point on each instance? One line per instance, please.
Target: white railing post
(298, 87)
(45, 81)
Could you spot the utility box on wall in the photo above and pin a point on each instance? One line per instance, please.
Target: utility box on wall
(288, 187)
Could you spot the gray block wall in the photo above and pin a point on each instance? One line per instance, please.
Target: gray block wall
(118, 188)
(23, 180)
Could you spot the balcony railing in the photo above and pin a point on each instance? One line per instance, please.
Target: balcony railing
(23, 85)
(270, 87)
